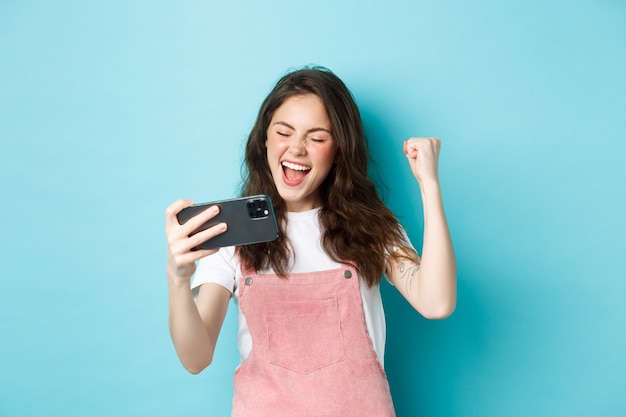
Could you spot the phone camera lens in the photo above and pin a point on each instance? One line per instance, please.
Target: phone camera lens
(257, 208)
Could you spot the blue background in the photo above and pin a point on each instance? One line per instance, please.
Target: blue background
(109, 111)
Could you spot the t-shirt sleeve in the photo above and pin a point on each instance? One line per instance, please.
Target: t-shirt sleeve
(220, 268)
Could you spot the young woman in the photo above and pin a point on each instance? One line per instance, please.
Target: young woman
(311, 322)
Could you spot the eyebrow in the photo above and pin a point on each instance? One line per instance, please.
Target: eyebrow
(314, 129)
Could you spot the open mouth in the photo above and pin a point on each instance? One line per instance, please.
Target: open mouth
(294, 173)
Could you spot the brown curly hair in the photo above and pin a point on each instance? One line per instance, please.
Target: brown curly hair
(357, 226)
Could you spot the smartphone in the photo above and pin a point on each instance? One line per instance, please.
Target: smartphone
(249, 219)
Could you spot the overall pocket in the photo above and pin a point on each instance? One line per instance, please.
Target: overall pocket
(304, 336)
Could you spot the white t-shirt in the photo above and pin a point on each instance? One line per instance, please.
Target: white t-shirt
(304, 233)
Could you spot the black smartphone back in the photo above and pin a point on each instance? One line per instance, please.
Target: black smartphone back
(249, 219)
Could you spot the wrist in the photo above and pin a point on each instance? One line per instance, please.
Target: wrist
(429, 185)
(178, 279)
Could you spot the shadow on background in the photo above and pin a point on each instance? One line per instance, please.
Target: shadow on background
(422, 357)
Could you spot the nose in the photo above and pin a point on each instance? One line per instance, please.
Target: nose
(297, 146)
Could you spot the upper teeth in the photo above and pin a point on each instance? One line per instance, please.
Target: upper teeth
(296, 166)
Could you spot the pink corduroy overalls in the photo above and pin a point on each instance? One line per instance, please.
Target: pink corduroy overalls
(311, 353)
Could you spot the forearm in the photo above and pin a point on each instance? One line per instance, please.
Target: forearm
(191, 337)
(436, 289)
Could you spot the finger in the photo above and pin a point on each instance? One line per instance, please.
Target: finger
(173, 209)
(192, 256)
(199, 219)
(437, 144)
(181, 238)
(426, 144)
(186, 245)
(411, 148)
(434, 143)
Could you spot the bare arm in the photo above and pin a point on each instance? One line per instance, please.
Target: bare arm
(430, 286)
(194, 325)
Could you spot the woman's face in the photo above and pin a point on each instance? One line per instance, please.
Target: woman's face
(300, 150)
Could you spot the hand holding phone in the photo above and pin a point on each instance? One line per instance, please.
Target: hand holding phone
(181, 258)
